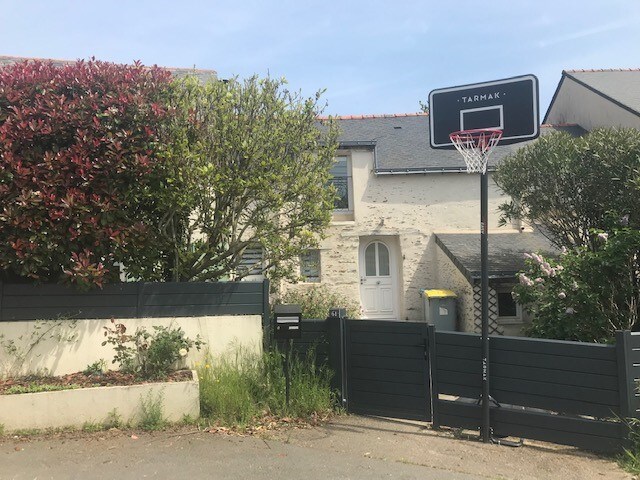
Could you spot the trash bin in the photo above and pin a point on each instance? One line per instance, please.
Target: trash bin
(440, 308)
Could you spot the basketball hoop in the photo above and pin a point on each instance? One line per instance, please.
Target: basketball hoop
(476, 146)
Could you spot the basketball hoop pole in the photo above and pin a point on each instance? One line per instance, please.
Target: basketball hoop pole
(484, 277)
(473, 118)
(476, 146)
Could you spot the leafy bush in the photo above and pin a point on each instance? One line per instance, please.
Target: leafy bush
(237, 389)
(318, 300)
(78, 167)
(149, 354)
(584, 295)
(570, 186)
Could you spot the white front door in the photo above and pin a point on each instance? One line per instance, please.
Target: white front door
(377, 281)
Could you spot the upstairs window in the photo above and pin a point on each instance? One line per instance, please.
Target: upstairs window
(341, 173)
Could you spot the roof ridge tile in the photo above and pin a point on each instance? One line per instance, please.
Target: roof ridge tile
(596, 70)
(370, 116)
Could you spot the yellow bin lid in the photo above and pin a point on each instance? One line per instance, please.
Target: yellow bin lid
(438, 293)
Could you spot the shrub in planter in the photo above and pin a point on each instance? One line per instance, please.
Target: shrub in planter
(150, 355)
(316, 302)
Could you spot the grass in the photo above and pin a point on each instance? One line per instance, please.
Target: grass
(630, 458)
(241, 387)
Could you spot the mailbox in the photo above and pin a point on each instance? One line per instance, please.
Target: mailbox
(338, 313)
(288, 319)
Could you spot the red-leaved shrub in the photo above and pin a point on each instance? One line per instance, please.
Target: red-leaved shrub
(78, 167)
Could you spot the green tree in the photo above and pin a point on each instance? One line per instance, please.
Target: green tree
(585, 294)
(249, 167)
(582, 193)
(569, 186)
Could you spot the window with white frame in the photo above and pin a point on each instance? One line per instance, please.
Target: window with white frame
(509, 311)
(342, 181)
(310, 266)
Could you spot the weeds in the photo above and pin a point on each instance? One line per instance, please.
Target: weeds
(152, 411)
(630, 459)
(236, 389)
(92, 427)
(113, 420)
(96, 368)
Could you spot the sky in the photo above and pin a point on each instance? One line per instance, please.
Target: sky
(370, 57)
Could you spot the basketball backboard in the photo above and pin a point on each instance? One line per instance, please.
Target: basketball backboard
(510, 105)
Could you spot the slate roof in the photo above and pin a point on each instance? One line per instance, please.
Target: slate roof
(203, 75)
(401, 143)
(506, 252)
(620, 86)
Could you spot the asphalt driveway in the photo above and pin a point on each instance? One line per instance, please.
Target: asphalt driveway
(351, 447)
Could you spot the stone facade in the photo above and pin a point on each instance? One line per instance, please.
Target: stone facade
(404, 212)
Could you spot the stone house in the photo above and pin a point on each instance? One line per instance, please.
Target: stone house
(408, 220)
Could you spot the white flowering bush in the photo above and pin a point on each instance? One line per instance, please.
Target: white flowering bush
(150, 355)
(584, 294)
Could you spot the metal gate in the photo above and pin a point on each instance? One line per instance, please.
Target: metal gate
(387, 369)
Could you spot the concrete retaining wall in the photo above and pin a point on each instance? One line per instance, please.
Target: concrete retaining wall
(75, 408)
(67, 346)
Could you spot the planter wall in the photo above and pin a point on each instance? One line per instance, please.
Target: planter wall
(75, 408)
(72, 345)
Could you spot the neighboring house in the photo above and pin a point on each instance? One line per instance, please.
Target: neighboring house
(597, 98)
(408, 219)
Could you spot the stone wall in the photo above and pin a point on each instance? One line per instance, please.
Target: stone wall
(405, 210)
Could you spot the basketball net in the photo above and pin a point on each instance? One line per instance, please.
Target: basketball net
(476, 146)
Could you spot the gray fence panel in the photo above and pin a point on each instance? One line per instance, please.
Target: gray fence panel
(40, 302)
(560, 376)
(387, 369)
(131, 300)
(536, 382)
(578, 432)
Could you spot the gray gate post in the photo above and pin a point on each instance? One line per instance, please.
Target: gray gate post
(626, 378)
(337, 360)
(433, 375)
(266, 315)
